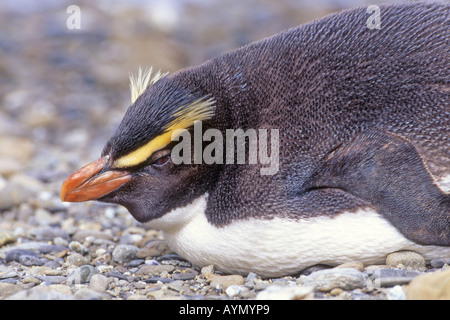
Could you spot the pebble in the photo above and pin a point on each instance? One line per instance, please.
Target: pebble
(154, 248)
(430, 286)
(408, 259)
(52, 279)
(15, 254)
(48, 234)
(98, 283)
(223, 282)
(355, 265)
(52, 248)
(391, 277)
(6, 238)
(43, 292)
(344, 278)
(31, 260)
(439, 263)
(207, 271)
(81, 235)
(78, 247)
(81, 275)
(124, 253)
(77, 259)
(43, 271)
(155, 269)
(6, 272)
(88, 294)
(274, 292)
(234, 290)
(396, 293)
(184, 276)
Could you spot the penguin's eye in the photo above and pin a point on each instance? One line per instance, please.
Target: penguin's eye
(160, 162)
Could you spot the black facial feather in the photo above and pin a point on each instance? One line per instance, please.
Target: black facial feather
(149, 116)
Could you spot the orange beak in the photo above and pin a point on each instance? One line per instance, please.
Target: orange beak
(85, 184)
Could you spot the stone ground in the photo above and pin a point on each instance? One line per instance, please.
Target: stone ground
(63, 92)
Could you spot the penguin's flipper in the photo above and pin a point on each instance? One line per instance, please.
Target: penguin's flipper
(387, 171)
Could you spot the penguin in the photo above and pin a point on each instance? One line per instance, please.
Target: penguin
(361, 117)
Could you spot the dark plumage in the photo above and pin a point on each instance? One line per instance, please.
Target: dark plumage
(363, 117)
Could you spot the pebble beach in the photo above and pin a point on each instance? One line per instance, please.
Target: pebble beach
(62, 94)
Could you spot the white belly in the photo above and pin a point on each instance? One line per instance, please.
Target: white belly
(278, 246)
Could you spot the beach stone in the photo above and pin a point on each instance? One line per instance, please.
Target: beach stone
(88, 294)
(234, 290)
(223, 282)
(32, 280)
(207, 271)
(6, 273)
(43, 292)
(409, 259)
(78, 247)
(98, 283)
(154, 248)
(81, 235)
(9, 289)
(48, 234)
(137, 297)
(439, 263)
(387, 277)
(396, 293)
(124, 253)
(155, 269)
(6, 238)
(31, 260)
(354, 264)
(43, 271)
(77, 259)
(430, 286)
(14, 254)
(14, 194)
(275, 292)
(52, 279)
(344, 278)
(81, 275)
(45, 249)
(185, 275)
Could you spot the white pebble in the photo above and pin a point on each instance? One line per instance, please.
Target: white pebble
(234, 290)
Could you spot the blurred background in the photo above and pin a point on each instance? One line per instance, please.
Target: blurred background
(63, 91)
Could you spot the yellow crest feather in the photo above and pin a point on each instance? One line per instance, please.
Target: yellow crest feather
(199, 110)
(140, 82)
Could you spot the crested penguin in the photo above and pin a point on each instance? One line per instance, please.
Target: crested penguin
(361, 118)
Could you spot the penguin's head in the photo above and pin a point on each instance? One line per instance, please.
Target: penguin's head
(136, 169)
